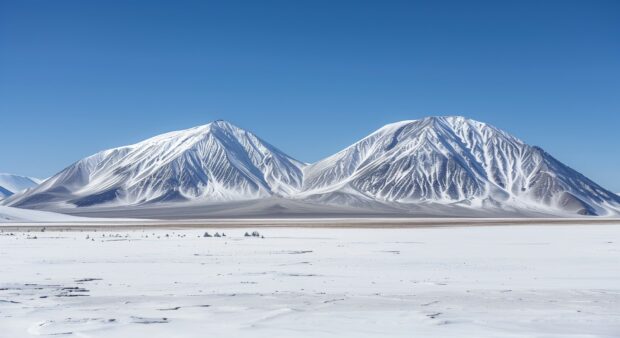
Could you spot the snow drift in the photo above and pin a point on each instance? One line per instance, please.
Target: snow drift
(12, 215)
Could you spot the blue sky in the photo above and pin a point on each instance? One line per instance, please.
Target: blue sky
(310, 77)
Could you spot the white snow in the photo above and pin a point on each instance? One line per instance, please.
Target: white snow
(10, 216)
(454, 160)
(13, 215)
(508, 281)
(11, 184)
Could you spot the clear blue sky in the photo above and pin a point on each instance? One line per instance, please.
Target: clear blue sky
(310, 77)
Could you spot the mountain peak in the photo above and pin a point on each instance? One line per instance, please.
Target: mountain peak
(450, 118)
(452, 121)
(216, 161)
(437, 160)
(452, 159)
(223, 124)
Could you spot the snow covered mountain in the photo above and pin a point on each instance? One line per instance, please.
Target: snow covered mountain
(432, 166)
(453, 160)
(11, 184)
(215, 162)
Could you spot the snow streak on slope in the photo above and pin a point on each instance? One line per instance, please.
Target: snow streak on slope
(11, 184)
(217, 161)
(454, 160)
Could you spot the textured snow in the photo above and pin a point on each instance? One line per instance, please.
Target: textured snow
(445, 162)
(502, 282)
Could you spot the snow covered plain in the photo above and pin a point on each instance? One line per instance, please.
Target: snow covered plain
(11, 215)
(479, 281)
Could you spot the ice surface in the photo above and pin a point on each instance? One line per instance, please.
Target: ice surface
(504, 281)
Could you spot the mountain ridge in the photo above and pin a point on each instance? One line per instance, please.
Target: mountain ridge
(217, 161)
(440, 160)
(451, 159)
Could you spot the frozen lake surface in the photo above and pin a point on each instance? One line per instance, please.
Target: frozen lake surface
(493, 281)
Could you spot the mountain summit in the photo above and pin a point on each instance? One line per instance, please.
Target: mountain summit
(454, 160)
(436, 163)
(216, 162)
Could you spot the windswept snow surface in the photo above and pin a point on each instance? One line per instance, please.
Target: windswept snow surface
(453, 165)
(17, 215)
(501, 282)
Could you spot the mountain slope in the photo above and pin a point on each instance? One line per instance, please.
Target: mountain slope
(5, 193)
(11, 184)
(437, 165)
(217, 161)
(450, 160)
